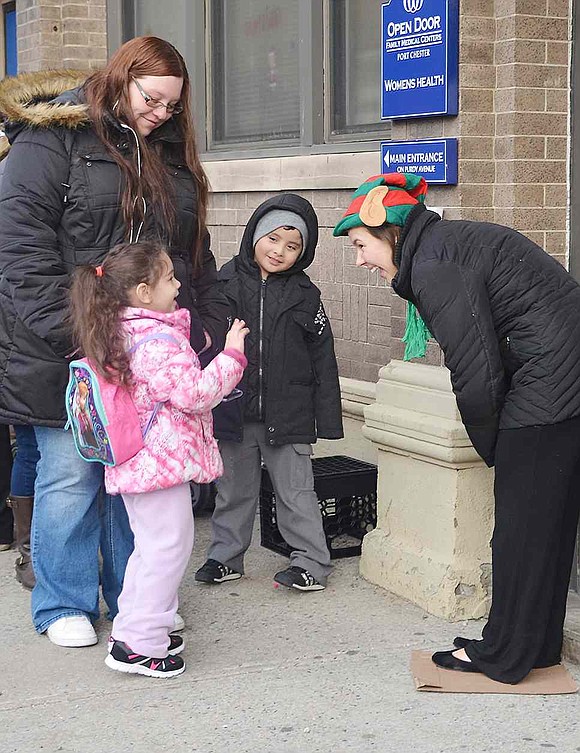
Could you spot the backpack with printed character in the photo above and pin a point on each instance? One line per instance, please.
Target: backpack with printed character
(102, 415)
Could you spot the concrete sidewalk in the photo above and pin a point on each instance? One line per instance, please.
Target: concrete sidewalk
(268, 671)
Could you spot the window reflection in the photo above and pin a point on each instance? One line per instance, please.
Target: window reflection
(255, 71)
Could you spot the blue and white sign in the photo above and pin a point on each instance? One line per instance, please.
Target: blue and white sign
(433, 159)
(420, 58)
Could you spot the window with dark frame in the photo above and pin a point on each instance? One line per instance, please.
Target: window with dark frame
(355, 69)
(254, 67)
(255, 79)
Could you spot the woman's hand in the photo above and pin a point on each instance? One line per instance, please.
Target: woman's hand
(236, 335)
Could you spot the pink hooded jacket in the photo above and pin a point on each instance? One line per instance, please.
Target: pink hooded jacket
(180, 445)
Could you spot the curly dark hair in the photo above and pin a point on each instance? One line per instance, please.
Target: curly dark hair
(97, 299)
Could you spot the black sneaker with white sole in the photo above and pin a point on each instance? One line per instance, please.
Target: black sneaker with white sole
(123, 659)
(299, 578)
(176, 644)
(214, 572)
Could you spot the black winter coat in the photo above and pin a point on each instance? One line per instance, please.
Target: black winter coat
(291, 381)
(60, 208)
(506, 315)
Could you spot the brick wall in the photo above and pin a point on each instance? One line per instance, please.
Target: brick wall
(512, 131)
(531, 100)
(61, 34)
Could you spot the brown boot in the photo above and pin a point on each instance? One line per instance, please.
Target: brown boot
(22, 509)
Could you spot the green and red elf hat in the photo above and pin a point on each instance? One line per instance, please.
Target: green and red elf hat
(383, 198)
(389, 199)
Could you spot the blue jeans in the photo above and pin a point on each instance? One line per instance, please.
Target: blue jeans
(73, 518)
(24, 466)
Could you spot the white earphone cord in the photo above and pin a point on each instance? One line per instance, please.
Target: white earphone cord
(142, 223)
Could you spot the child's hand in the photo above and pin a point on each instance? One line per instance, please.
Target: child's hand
(236, 335)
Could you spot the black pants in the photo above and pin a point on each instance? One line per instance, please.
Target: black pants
(6, 520)
(537, 501)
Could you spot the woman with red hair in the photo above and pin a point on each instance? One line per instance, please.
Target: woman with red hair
(92, 163)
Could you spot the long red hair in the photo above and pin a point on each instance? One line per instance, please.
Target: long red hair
(107, 93)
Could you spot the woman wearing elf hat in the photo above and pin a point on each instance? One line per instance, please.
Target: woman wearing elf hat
(507, 317)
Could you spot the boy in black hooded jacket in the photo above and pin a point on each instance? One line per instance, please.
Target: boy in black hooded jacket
(290, 396)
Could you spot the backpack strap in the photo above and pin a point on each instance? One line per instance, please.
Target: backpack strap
(132, 349)
(153, 336)
(152, 418)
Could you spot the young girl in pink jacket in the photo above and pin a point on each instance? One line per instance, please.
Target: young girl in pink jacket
(127, 299)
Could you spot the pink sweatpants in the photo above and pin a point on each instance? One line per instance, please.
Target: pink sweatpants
(162, 523)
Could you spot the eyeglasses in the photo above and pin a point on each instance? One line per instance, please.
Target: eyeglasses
(156, 103)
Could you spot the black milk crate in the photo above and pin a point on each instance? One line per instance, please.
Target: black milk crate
(347, 495)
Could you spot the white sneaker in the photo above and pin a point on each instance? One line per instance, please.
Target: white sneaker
(72, 632)
(179, 623)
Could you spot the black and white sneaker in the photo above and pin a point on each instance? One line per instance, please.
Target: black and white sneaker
(214, 572)
(176, 644)
(123, 659)
(298, 577)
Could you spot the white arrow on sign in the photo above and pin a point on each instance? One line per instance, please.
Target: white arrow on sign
(387, 158)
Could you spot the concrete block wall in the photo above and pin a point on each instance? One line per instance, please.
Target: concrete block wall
(513, 154)
(532, 105)
(61, 34)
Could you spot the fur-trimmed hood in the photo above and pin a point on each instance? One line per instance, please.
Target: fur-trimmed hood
(29, 100)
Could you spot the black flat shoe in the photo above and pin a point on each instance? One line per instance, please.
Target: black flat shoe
(460, 642)
(446, 660)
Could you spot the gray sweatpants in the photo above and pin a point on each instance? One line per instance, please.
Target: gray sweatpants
(297, 509)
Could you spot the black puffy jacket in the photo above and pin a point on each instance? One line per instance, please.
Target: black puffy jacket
(291, 381)
(60, 208)
(506, 315)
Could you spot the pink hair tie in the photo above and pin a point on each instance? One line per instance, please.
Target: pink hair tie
(99, 271)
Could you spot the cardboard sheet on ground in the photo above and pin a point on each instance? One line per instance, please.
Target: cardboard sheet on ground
(430, 677)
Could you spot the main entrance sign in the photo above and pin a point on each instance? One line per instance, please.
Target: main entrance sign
(434, 159)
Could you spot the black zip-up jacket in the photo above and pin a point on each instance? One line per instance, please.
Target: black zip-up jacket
(60, 208)
(506, 315)
(291, 382)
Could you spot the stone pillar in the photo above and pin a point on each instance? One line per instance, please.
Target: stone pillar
(435, 503)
